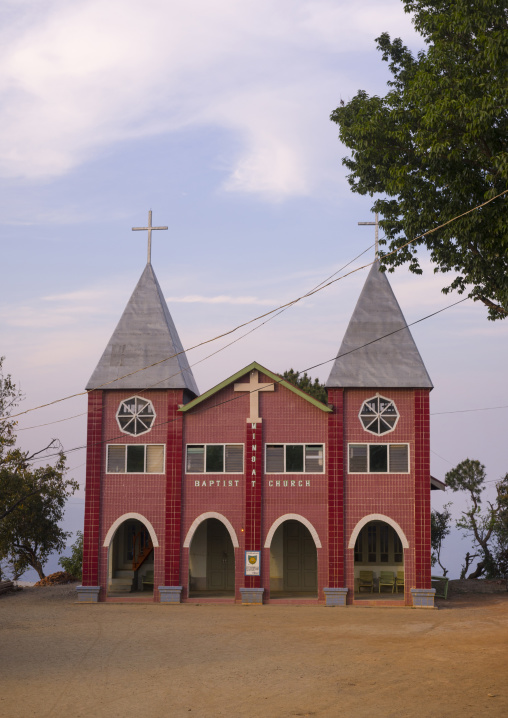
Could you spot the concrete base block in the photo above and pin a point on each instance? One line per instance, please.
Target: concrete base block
(88, 594)
(335, 596)
(252, 596)
(423, 597)
(170, 594)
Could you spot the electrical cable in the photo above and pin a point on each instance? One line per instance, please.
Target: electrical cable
(261, 316)
(465, 411)
(49, 423)
(235, 398)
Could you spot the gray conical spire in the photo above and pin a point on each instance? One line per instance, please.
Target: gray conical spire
(392, 362)
(144, 335)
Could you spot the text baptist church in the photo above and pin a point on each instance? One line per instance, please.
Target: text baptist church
(255, 492)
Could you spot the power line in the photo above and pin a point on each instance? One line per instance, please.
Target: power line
(235, 398)
(261, 316)
(465, 411)
(49, 423)
(58, 421)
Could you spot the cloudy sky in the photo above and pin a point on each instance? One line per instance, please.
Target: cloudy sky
(216, 117)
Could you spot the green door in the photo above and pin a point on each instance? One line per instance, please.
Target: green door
(300, 558)
(220, 557)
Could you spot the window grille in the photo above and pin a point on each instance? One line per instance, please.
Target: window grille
(378, 415)
(135, 416)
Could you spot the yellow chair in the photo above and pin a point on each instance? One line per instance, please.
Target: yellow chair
(366, 580)
(399, 581)
(386, 578)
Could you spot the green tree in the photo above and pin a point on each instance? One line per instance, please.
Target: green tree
(32, 500)
(305, 383)
(486, 527)
(436, 145)
(440, 522)
(73, 564)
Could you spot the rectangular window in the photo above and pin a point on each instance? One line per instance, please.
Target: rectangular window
(378, 458)
(214, 458)
(294, 458)
(135, 459)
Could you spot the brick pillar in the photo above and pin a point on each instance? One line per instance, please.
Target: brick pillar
(422, 489)
(253, 494)
(173, 519)
(335, 463)
(91, 537)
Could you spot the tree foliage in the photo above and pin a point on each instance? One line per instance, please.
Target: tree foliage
(73, 564)
(32, 500)
(440, 522)
(437, 145)
(305, 383)
(488, 528)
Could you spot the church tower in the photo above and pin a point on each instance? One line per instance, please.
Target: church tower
(134, 456)
(379, 388)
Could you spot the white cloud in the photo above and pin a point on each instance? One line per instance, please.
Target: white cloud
(77, 77)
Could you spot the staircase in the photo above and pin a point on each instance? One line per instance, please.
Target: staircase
(142, 553)
(121, 582)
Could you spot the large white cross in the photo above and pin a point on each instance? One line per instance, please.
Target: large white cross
(376, 225)
(254, 387)
(149, 228)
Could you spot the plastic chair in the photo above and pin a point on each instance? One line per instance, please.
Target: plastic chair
(386, 578)
(366, 580)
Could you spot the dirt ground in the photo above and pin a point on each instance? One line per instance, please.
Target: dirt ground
(58, 658)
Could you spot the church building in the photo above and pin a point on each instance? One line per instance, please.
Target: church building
(255, 492)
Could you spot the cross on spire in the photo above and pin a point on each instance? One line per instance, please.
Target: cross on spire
(376, 225)
(149, 228)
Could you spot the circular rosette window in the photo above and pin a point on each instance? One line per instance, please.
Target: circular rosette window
(379, 415)
(135, 416)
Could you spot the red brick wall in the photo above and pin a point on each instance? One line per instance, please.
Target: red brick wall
(336, 574)
(173, 508)
(392, 495)
(171, 503)
(93, 490)
(136, 493)
(254, 462)
(422, 489)
(286, 418)
(215, 422)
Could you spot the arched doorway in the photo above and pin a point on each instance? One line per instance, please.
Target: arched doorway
(293, 561)
(211, 561)
(131, 564)
(379, 562)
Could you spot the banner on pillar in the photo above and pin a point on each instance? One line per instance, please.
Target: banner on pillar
(253, 563)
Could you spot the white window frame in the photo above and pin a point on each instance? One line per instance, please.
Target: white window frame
(137, 473)
(224, 444)
(141, 398)
(295, 443)
(379, 443)
(378, 415)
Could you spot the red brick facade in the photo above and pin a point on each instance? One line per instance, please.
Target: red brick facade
(253, 503)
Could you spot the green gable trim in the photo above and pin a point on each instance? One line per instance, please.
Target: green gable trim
(239, 374)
